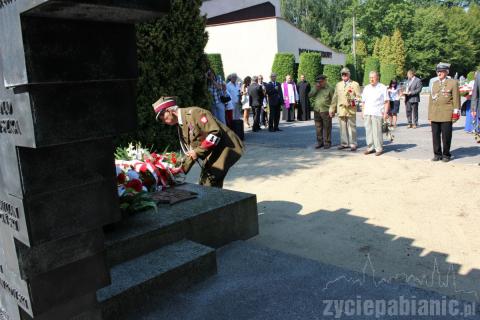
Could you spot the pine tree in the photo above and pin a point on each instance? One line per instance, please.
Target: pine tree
(385, 54)
(398, 50)
(376, 49)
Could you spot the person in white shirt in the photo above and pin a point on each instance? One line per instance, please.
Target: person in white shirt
(375, 105)
(234, 92)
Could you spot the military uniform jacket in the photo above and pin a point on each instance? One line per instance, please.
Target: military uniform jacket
(444, 98)
(213, 142)
(340, 103)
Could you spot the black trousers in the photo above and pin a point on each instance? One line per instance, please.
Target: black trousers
(256, 118)
(412, 112)
(274, 117)
(289, 114)
(442, 136)
(263, 116)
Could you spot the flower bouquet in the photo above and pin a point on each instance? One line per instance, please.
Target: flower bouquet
(466, 90)
(352, 98)
(140, 172)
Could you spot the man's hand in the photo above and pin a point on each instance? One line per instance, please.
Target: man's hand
(192, 154)
(474, 114)
(331, 114)
(176, 170)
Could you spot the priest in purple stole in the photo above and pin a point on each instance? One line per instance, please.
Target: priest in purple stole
(290, 99)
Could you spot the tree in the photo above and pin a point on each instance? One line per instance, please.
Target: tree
(332, 72)
(215, 60)
(387, 73)
(167, 68)
(398, 52)
(310, 65)
(371, 64)
(283, 64)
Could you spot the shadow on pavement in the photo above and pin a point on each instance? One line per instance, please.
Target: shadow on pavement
(348, 241)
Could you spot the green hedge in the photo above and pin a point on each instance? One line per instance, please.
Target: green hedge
(283, 64)
(371, 64)
(166, 67)
(216, 64)
(310, 66)
(388, 72)
(332, 72)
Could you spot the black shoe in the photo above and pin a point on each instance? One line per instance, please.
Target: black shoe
(437, 158)
(319, 145)
(446, 159)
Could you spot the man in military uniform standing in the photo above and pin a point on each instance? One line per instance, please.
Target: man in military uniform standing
(202, 137)
(344, 103)
(322, 94)
(443, 108)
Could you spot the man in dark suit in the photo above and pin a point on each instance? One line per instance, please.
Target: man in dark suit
(412, 98)
(275, 100)
(303, 92)
(255, 93)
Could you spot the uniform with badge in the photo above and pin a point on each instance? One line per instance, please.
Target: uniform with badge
(217, 145)
(443, 110)
(343, 103)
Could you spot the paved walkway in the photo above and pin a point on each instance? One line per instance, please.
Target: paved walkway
(414, 221)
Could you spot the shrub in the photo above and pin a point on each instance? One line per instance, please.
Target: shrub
(166, 67)
(388, 72)
(215, 60)
(283, 64)
(332, 72)
(371, 64)
(310, 66)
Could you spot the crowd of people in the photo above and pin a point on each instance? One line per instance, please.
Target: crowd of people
(379, 104)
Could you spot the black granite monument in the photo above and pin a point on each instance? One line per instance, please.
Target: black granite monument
(68, 71)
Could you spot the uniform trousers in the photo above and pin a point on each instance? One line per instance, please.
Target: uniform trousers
(348, 131)
(323, 126)
(442, 135)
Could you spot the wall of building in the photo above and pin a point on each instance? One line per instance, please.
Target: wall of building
(247, 48)
(291, 39)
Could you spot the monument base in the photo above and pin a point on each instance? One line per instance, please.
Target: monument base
(173, 247)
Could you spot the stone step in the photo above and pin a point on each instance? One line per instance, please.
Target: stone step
(176, 265)
(215, 218)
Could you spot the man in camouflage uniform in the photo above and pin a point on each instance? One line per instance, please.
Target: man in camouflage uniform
(343, 103)
(203, 137)
(443, 108)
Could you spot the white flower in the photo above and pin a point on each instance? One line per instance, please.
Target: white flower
(118, 170)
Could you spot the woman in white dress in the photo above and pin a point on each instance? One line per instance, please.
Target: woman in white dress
(246, 100)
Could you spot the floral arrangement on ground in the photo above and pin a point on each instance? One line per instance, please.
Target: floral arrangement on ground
(141, 172)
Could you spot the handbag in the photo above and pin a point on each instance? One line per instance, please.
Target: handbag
(225, 99)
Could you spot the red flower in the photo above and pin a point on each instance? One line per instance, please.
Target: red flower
(174, 158)
(134, 184)
(121, 178)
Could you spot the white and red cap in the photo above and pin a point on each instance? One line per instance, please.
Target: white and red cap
(163, 104)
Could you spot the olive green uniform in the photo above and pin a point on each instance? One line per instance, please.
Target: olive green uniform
(444, 99)
(346, 113)
(217, 145)
(323, 121)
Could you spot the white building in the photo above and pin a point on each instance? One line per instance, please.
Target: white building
(248, 34)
